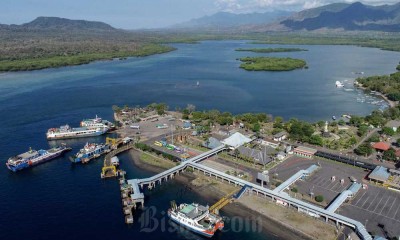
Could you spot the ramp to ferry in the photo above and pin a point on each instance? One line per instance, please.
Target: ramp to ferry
(241, 192)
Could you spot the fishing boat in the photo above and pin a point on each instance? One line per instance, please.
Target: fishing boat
(196, 218)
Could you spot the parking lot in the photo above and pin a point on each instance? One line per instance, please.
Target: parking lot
(379, 206)
(320, 182)
(148, 129)
(372, 206)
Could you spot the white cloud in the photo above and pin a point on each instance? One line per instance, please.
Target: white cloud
(243, 6)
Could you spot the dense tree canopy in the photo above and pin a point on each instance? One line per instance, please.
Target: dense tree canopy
(389, 155)
(386, 84)
(364, 149)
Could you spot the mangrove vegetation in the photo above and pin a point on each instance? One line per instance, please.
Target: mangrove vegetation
(271, 64)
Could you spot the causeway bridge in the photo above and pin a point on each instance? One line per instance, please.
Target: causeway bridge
(170, 173)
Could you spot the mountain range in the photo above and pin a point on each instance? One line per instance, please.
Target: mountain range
(350, 17)
(337, 16)
(232, 20)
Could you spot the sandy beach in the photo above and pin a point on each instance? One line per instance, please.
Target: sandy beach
(278, 221)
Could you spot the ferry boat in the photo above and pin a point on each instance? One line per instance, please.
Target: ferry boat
(66, 131)
(196, 218)
(97, 123)
(90, 151)
(33, 157)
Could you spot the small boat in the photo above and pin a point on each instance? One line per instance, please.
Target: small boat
(339, 84)
(334, 117)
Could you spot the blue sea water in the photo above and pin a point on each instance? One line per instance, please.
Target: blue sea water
(58, 200)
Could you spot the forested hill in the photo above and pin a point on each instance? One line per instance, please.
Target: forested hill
(60, 24)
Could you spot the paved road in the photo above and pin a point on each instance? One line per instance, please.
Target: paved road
(369, 134)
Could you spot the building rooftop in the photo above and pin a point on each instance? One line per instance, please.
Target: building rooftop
(212, 143)
(381, 146)
(235, 140)
(351, 191)
(306, 149)
(280, 134)
(393, 123)
(270, 140)
(380, 173)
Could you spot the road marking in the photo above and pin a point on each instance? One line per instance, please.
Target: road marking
(385, 204)
(316, 179)
(376, 195)
(334, 186)
(320, 183)
(396, 211)
(377, 204)
(360, 198)
(365, 202)
(332, 182)
(344, 187)
(397, 220)
(395, 199)
(327, 183)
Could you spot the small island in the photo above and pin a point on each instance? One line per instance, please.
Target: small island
(271, 64)
(270, 50)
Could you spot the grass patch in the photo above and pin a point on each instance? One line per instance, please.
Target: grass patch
(156, 161)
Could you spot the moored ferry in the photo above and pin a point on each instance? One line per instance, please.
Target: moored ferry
(90, 151)
(66, 131)
(196, 218)
(33, 157)
(97, 123)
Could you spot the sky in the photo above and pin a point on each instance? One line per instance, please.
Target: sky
(139, 14)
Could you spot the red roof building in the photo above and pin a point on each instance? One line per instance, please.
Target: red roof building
(381, 146)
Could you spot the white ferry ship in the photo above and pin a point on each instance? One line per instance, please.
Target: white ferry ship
(196, 218)
(97, 123)
(66, 131)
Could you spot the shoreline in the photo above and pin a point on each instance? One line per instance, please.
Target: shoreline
(54, 62)
(212, 193)
(383, 96)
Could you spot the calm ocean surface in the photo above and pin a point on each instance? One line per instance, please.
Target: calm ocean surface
(58, 200)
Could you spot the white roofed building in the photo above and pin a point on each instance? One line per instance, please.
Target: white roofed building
(236, 140)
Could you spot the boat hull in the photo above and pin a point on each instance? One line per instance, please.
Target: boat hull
(197, 231)
(59, 137)
(33, 162)
(84, 158)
